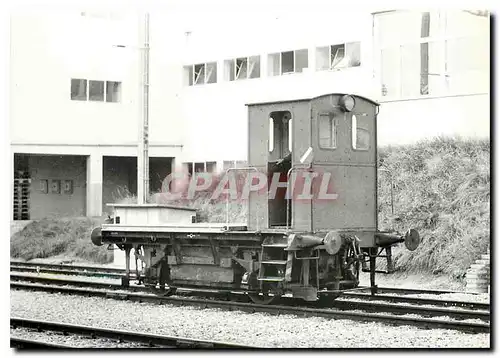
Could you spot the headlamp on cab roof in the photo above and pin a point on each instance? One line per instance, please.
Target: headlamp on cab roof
(347, 102)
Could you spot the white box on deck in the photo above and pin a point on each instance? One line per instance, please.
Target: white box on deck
(152, 214)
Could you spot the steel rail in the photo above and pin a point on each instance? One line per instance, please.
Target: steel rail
(67, 272)
(336, 303)
(418, 300)
(99, 269)
(23, 343)
(404, 309)
(274, 309)
(151, 340)
(409, 291)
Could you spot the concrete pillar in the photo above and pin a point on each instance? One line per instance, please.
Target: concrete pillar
(94, 185)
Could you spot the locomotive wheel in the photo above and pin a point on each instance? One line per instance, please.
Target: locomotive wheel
(263, 298)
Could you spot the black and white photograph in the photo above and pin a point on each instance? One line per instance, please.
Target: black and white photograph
(248, 175)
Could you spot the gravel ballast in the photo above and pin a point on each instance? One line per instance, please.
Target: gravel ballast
(258, 329)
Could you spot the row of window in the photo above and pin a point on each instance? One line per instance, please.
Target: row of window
(211, 167)
(327, 132)
(433, 53)
(280, 132)
(200, 167)
(407, 26)
(435, 68)
(98, 91)
(327, 58)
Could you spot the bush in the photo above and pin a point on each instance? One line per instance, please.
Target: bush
(441, 188)
(51, 237)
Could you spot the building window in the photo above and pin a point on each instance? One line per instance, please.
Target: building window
(113, 91)
(227, 164)
(432, 53)
(200, 74)
(95, 90)
(200, 167)
(189, 167)
(210, 167)
(467, 62)
(327, 131)
(360, 133)
(78, 89)
(242, 68)
(287, 62)
(338, 56)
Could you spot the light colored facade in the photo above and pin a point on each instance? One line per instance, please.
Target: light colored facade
(445, 94)
(52, 116)
(258, 57)
(452, 100)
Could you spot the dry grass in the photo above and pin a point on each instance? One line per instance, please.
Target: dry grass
(52, 237)
(441, 188)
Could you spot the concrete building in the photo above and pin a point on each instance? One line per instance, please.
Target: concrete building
(75, 88)
(74, 109)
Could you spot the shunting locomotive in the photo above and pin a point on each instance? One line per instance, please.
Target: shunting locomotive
(308, 248)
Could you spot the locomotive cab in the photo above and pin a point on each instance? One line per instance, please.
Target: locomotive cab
(331, 139)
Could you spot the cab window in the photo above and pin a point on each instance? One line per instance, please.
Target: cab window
(360, 133)
(327, 128)
(280, 134)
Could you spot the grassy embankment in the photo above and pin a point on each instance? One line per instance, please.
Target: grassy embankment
(65, 238)
(441, 188)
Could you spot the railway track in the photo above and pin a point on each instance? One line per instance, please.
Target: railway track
(93, 271)
(411, 291)
(340, 309)
(80, 270)
(419, 301)
(148, 340)
(23, 343)
(222, 295)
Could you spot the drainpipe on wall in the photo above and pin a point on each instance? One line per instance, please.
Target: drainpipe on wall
(143, 150)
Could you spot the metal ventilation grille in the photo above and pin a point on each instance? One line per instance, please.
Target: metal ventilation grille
(21, 198)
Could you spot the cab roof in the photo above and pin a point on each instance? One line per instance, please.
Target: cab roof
(311, 98)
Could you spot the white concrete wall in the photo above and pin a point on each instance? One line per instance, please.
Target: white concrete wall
(404, 122)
